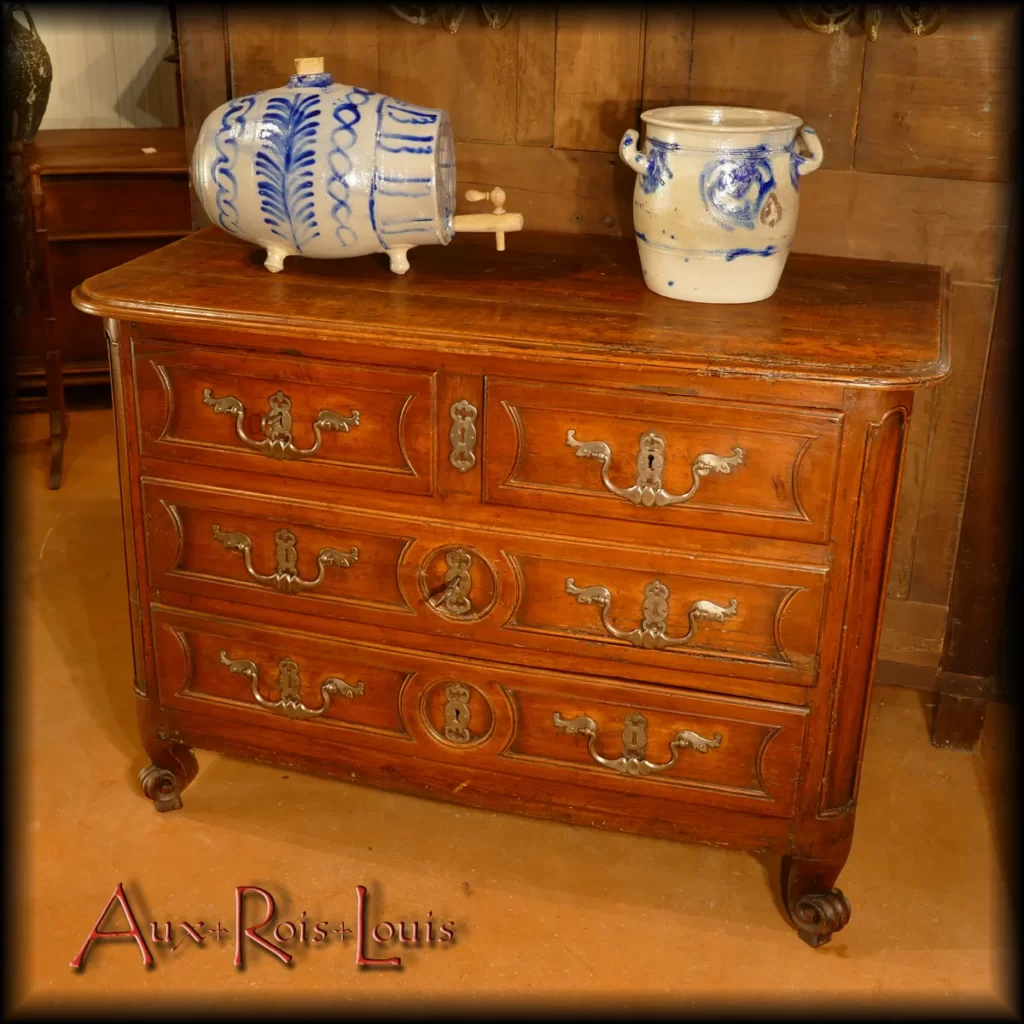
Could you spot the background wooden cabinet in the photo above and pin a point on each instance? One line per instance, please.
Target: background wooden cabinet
(105, 202)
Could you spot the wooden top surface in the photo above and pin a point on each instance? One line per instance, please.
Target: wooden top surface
(108, 150)
(563, 297)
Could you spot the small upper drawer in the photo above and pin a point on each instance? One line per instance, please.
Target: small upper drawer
(325, 423)
(694, 462)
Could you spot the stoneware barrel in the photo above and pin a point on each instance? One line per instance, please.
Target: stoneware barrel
(329, 171)
(716, 199)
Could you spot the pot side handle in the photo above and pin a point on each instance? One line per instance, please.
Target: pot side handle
(630, 152)
(815, 150)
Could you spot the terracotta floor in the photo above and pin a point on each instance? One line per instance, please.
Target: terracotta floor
(542, 911)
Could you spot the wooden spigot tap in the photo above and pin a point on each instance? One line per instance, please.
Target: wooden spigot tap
(497, 220)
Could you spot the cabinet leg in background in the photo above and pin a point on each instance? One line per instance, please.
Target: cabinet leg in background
(816, 908)
(174, 767)
(958, 722)
(58, 416)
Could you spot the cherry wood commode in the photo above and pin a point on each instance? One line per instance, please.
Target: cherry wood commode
(514, 531)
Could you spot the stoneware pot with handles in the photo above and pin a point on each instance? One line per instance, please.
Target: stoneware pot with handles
(329, 171)
(716, 198)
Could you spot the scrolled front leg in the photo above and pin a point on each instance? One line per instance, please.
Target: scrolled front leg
(173, 767)
(816, 907)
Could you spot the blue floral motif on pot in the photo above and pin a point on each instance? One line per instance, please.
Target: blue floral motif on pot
(733, 187)
(284, 167)
(223, 169)
(347, 114)
(658, 171)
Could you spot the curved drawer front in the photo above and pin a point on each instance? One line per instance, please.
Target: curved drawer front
(320, 422)
(617, 739)
(733, 466)
(623, 606)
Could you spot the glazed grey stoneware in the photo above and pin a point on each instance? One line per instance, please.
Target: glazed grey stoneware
(716, 199)
(330, 171)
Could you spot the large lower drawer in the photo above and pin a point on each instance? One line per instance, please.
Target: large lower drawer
(619, 605)
(671, 460)
(621, 739)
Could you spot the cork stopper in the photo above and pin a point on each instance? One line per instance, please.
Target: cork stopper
(309, 65)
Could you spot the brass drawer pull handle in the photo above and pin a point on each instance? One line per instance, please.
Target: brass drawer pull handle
(277, 425)
(463, 436)
(290, 701)
(650, 464)
(457, 584)
(634, 744)
(285, 579)
(651, 632)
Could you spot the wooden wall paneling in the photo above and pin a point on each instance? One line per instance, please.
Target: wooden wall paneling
(203, 52)
(668, 53)
(757, 57)
(988, 533)
(554, 189)
(265, 41)
(535, 77)
(471, 74)
(912, 633)
(942, 105)
(599, 53)
(960, 225)
(949, 459)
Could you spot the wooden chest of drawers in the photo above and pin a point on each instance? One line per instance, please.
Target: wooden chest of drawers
(513, 531)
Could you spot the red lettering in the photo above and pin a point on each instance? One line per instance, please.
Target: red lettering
(446, 932)
(190, 933)
(240, 931)
(415, 932)
(156, 938)
(361, 959)
(133, 932)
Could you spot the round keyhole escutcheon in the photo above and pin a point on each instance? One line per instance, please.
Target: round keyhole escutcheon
(456, 714)
(454, 576)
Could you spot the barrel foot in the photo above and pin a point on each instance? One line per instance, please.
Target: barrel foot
(275, 259)
(399, 259)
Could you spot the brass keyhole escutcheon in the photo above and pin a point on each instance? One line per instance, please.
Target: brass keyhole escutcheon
(457, 583)
(456, 713)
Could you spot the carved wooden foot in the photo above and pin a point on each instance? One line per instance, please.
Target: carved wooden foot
(174, 767)
(816, 908)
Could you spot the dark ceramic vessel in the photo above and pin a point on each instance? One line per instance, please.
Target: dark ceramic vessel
(28, 74)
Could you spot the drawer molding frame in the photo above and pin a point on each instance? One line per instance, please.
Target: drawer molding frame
(184, 688)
